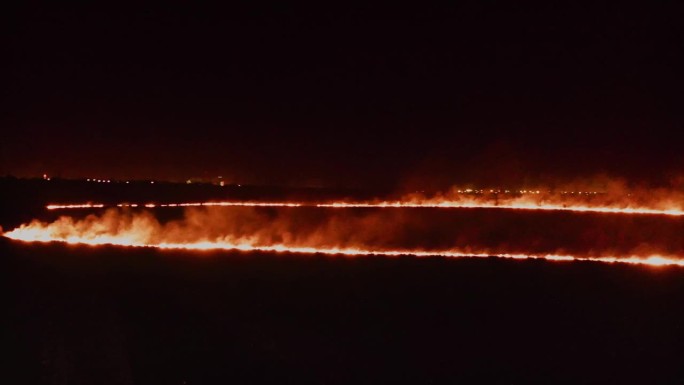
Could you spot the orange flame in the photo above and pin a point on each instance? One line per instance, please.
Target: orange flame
(138, 232)
(520, 203)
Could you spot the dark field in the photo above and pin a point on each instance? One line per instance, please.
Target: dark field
(113, 315)
(84, 315)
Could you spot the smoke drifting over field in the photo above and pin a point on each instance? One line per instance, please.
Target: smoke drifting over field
(374, 230)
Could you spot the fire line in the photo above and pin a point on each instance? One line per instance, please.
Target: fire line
(444, 204)
(28, 235)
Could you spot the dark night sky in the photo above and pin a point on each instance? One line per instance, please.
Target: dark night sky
(343, 96)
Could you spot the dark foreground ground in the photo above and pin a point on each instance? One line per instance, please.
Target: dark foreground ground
(80, 315)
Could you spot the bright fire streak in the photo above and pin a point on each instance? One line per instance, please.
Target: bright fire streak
(32, 234)
(407, 204)
(515, 206)
(78, 206)
(192, 204)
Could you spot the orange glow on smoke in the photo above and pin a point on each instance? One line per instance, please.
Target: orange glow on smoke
(141, 229)
(139, 235)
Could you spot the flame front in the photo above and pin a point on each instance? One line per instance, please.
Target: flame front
(443, 204)
(582, 202)
(142, 230)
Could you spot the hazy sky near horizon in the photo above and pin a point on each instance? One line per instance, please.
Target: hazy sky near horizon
(343, 96)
